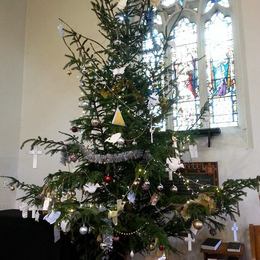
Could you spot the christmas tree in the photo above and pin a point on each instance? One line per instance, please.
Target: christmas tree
(122, 195)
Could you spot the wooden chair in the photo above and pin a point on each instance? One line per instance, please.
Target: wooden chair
(254, 233)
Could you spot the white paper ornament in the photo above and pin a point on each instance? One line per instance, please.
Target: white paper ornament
(114, 138)
(24, 208)
(119, 71)
(60, 30)
(91, 187)
(132, 254)
(52, 217)
(121, 4)
(131, 197)
(153, 101)
(65, 226)
(46, 203)
(193, 149)
(174, 163)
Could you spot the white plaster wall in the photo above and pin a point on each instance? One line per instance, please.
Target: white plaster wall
(12, 31)
(50, 98)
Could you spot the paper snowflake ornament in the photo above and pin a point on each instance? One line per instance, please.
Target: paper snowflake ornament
(91, 187)
(131, 197)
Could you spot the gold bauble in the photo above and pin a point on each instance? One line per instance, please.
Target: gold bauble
(12, 188)
(197, 224)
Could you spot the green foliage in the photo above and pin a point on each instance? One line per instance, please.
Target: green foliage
(142, 222)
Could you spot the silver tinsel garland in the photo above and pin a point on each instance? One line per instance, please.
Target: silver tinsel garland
(115, 158)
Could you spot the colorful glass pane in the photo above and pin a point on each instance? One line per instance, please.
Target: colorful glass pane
(184, 57)
(220, 70)
(210, 4)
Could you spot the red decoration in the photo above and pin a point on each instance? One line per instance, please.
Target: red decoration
(74, 129)
(116, 238)
(73, 158)
(161, 247)
(107, 178)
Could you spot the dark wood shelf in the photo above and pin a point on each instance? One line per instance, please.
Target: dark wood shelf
(205, 132)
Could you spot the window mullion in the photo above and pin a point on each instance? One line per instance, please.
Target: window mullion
(203, 91)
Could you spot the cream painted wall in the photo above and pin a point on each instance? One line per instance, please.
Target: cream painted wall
(12, 31)
(50, 99)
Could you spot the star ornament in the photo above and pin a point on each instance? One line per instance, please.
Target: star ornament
(174, 164)
(91, 187)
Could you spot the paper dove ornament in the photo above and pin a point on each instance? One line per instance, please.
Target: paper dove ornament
(119, 71)
(91, 187)
(173, 164)
(114, 138)
(121, 4)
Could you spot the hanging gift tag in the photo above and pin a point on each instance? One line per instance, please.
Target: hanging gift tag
(33, 210)
(24, 208)
(52, 217)
(46, 204)
(193, 151)
(170, 175)
(25, 213)
(194, 230)
(37, 216)
(56, 233)
(65, 226)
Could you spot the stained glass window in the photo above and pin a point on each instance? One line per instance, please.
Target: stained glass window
(185, 60)
(211, 3)
(220, 70)
(171, 2)
(202, 52)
